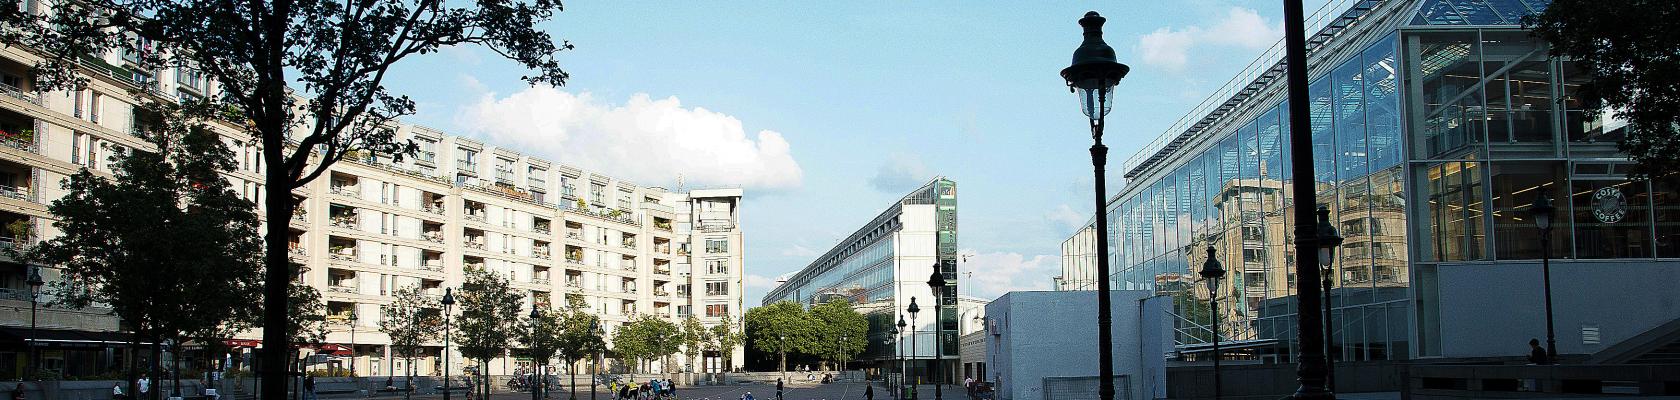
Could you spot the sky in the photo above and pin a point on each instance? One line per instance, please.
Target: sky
(825, 113)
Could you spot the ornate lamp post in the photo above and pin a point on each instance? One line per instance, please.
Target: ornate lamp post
(1310, 371)
(595, 329)
(1328, 241)
(842, 348)
(913, 309)
(1542, 211)
(536, 365)
(898, 342)
(448, 303)
(353, 319)
(936, 281)
(35, 283)
(1092, 76)
(1211, 273)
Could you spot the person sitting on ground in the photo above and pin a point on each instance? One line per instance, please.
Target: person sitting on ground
(1537, 355)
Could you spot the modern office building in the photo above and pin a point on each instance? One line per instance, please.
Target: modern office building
(882, 266)
(373, 225)
(1435, 123)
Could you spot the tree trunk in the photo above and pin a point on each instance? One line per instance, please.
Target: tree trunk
(152, 366)
(276, 276)
(132, 367)
(783, 366)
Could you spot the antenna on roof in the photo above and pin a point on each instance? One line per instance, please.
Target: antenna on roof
(680, 188)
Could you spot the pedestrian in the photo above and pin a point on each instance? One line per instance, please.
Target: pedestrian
(778, 388)
(869, 392)
(747, 396)
(309, 387)
(116, 392)
(1536, 354)
(968, 385)
(145, 386)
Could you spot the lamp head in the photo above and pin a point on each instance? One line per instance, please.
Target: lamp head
(901, 323)
(448, 296)
(1095, 71)
(937, 280)
(35, 280)
(1329, 238)
(1212, 270)
(914, 308)
(1542, 210)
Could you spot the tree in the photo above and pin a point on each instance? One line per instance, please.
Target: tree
(337, 53)
(166, 243)
(645, 339)
(842, 331)
(410, 320)
(725, 339)
(541, 337)
(489, 317)
(578, 338)
(1628, 47)
(695, 337)
(780, 328)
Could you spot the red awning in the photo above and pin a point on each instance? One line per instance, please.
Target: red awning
(334, 349)
(242, 342)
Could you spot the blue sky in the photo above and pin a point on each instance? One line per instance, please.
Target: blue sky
(826, 112)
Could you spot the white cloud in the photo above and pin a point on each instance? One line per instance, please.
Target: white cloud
(1239, 27)
(649, 141)
(901, 172)
(755, 281)
(799, 251)
(1067, 219)
(999, 273)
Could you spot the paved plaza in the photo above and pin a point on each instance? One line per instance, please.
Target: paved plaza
(833, 391)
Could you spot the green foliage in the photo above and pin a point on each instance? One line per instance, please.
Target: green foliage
(1629, 49)
(646, 338)
(695, 338)
(410, 320)
(725, 338)
(331, 373)
(843, 332)
(578, 339)
(490, 315)
(166, 243)
(541, 336)
(781, 328)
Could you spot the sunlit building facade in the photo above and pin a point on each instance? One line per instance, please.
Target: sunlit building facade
(882, 266)
(1434, 124)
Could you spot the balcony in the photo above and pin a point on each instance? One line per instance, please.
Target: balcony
(473, 243)
(344, 254)
(465, 166)
(661, 292)
(540, 281)
(345, 221)
(20, 94)
(662, 224)
(661, 271)
(433, 236)
(536, 182)
(568, 191)
(346, 191)
(574, 234)
(541, 229)
(298, 253)
(427, 157)
(473, 217)
(629, 266)
(542, 254)
(629, 244)
(19, 193)
(432, 265)
(300, 215)
(341, 289)
(574, 283)
(433, 209)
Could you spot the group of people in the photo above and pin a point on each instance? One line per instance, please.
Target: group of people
(653, 389)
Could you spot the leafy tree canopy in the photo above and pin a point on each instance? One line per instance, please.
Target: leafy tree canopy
(490, 315)
(1632, 50)
(843, 331)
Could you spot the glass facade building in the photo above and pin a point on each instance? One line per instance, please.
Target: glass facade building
(1434, 124)
(885, 264)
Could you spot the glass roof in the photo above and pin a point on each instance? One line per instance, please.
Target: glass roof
(1476, 12)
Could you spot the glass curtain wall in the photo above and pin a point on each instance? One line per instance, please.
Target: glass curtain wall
(1233, 196)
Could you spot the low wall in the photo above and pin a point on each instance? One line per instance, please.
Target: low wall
(1276, 380)
(1428, 382)
(88, 390)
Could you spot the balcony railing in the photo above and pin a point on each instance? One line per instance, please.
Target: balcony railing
(300, 216)
(574, 235)
(299, 252)
(15, 294)
(541, 229)
(473, 217)
(345, 222)
(426, 157)
(574, 283)
(504, 176)
(341, 289)
(627, 267)
(536, 182)
(433, 236)
(541, 254)
(629, 244)
(17, 142)
(661, 271)
(540, 281)
(431, 266)
(346, 191)
(344, 257)
(568, 191)
(469, 243)
(20, 193)
(464, 166)
(14, 91)
(660, 293)
(432, 209)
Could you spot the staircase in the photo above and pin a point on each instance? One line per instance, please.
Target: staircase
(1658, 345)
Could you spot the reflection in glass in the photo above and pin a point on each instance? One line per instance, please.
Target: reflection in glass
(1515, 185)
(1454, 230)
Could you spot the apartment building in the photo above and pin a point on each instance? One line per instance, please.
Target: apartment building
(373, 225)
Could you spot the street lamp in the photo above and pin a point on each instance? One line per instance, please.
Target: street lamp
(1310, 370)
(595, 329)
(353, 319)
(936, 281)
(536, 372)
(913, 354)
(1328, 241)
(1542, 211)
(902, 365)
(1211, 273)
(1093, 75)
(448, 303)
(35, 283)
(842, 349)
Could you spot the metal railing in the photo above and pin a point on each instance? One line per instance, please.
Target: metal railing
(14, 91)
(346, 191)
(20, 193)
(1269, 65)
(15, 142)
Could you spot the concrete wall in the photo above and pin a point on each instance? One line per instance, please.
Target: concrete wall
(1053, 334)
(1492, 309)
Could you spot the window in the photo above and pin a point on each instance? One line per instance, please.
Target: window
(93, 107)
(717, 288)
(717, 266)
(597, 192)
(717, 245)
(468, 161)
(717, 311)
(77, 109)
(76, 147)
